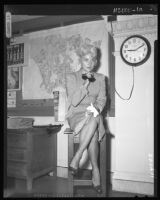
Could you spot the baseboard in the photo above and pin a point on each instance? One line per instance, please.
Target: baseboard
(133, 186)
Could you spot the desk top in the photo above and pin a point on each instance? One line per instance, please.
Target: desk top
(51, 129)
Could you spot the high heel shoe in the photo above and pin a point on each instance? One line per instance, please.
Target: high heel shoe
(73, 170)
(97, 188)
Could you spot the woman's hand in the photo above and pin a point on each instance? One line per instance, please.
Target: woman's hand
(92, 109)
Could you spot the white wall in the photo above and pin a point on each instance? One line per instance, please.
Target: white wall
(133, 125)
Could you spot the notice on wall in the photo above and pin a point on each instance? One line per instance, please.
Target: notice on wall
(59, 101)
(62, 106)
(11, 99)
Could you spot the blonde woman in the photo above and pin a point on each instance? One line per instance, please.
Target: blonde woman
(86, 94)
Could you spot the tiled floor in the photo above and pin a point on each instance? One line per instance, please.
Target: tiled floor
(47, 186)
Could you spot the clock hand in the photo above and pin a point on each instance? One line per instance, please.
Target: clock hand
(140, 46)
(131, 50)
(136, 48)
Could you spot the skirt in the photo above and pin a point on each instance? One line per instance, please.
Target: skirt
(79, 119)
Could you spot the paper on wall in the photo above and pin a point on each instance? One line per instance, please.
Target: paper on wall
(62, 106)
(11, 99)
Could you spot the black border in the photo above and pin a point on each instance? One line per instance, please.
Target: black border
(100, 9)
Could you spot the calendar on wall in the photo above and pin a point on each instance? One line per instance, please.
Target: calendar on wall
(15, 54)
(18, 52)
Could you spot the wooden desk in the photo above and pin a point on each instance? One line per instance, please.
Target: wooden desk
(31, 152)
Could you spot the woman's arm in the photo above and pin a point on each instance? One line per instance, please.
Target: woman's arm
(75, 94)
(101, 99)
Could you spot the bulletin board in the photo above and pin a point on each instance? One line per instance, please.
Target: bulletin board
(33, 107)
(36, 107)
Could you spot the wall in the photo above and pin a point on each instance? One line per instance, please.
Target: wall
(133, 125)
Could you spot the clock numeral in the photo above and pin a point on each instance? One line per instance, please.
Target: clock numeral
(126, 46)
(135, 60)
(124, 51)
(134, 40)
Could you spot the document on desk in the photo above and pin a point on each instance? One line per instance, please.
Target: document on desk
(45, 121)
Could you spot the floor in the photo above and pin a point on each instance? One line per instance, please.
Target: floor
(52, 186)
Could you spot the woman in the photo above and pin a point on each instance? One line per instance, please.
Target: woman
(86, 99)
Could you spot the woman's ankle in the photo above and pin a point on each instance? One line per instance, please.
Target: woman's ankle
(74, 165)
(75, 161)
(96, 176)
(95, 169)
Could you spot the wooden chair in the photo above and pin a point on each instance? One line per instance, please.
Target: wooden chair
(73, 181)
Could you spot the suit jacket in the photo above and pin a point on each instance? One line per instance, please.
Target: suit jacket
(79, 98)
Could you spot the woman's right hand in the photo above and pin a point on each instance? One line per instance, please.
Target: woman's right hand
(93, 110)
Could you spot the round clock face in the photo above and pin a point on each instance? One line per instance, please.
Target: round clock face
(135, 50)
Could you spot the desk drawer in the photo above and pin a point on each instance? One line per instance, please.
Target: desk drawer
(17, 140)
(17, 154)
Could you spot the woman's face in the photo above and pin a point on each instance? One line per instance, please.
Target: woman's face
(88, 62)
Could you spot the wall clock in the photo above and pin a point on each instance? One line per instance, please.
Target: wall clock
(135, 50)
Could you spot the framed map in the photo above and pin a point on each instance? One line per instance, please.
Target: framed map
(53, 54)
(14, 81)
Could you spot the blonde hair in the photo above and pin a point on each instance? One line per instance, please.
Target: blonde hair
(86, 49)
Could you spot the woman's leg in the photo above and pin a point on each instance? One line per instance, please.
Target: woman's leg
(93, 151)
(86, 135)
